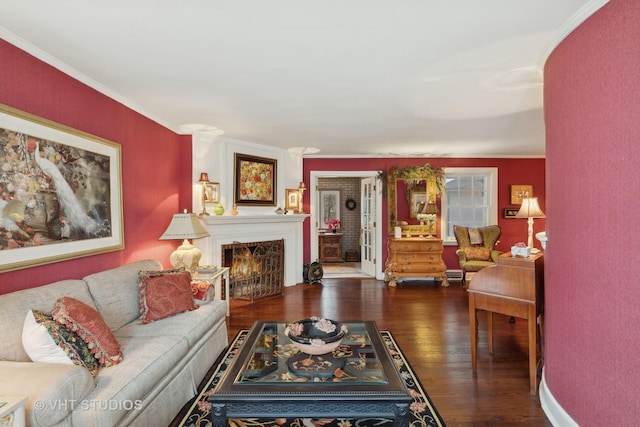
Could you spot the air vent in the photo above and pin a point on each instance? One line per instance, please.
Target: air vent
(455, 275)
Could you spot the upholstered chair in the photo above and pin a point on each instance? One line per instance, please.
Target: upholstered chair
(476, 248)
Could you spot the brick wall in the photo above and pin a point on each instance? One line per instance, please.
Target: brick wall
(349, 188)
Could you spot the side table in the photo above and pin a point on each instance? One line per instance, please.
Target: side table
(214, 278)
(12, 411)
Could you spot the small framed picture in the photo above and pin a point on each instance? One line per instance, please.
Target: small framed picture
(510, 212)
(211, 192)
(519, 192)
(292, 199)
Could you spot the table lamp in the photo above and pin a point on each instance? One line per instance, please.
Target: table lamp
(185, 226)
(301, 190)
(204, 178)
(432, 211)
(530, 209)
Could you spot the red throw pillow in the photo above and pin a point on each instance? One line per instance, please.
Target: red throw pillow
(87, 323)
(164, 293)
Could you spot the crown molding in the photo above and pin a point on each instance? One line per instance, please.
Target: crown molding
(567, 28)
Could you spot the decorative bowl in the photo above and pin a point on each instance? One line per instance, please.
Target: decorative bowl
(315, 335)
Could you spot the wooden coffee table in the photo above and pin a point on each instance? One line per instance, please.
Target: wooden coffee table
(270, 378)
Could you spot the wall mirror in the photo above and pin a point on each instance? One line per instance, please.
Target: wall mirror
(407, 190)
(417, 200)
(329, 206)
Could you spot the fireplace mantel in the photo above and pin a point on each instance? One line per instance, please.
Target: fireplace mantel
(251, 219)
(226, 229)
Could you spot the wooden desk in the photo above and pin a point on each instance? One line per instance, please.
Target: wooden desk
(515, 287)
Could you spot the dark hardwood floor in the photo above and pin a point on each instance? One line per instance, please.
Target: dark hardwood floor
(431, 325)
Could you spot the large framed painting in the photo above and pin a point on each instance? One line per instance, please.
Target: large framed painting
(61, 192)
(255, 180)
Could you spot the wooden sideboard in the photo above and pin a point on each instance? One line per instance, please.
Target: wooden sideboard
(515, 287)
(330, 247)
(415, 257)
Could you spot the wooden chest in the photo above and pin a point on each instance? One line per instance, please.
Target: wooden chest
(415, 257)
(330, 247)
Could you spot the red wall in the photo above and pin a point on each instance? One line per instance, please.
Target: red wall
(510, 171)
(592, 109)
(151, 178)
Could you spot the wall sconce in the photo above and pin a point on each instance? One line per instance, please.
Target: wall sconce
(530, 209)
(301, 189)
(185, 226)
(204, 178)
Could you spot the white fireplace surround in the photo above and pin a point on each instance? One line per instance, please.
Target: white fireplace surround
(226, 229)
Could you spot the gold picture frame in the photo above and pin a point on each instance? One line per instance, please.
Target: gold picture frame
(292, 201)
(519, 192)
(255, 180)
(65, 211)
(211, 192)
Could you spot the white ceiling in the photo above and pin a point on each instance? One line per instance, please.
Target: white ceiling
(459, 78)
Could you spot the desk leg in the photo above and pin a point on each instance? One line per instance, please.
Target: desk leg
(490, 330)
(533, 336)
(473, 331)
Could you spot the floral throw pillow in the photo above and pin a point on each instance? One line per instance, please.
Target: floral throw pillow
(479, 253)
(164, 293)
(47, 341)
(87, 323)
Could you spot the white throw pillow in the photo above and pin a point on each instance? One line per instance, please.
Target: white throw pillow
(39, 345)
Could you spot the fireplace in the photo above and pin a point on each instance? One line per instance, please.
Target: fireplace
(227, 229)
(256, 269)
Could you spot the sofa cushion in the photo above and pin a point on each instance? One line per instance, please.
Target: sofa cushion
(192, 325)
(164, 293)
(115, 292)
(47, 341)
(54, 389)
(148, 361)
(88, 324)
(16, 304)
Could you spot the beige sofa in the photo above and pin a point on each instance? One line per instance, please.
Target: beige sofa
(163, 363)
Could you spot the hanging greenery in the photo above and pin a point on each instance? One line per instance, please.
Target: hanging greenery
(415, 174)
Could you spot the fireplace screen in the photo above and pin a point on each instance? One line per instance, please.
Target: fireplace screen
(257, 269)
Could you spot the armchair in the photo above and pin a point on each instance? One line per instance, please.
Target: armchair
(476, 248)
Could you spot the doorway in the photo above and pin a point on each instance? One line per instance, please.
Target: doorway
(361, 220)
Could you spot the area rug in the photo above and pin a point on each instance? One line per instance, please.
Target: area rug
(197, 412)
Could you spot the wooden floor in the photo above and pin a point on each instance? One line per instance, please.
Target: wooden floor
(431, 325)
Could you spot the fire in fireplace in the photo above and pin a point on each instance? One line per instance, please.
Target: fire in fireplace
(256, 269)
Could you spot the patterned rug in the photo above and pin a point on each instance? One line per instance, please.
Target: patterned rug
(196, 413)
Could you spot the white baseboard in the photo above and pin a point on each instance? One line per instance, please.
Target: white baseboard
(552, 409)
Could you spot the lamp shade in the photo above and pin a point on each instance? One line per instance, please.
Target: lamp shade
(185, 226)
(204, 177)
(530, 209)
(431, 208)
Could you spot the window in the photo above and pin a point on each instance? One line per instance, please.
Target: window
(470, 199)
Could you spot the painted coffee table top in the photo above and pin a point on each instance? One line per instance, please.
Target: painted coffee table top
(271, 377)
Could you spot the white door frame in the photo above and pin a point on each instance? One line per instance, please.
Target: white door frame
(313, 200)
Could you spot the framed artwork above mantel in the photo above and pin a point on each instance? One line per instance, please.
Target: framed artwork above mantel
(255, 180)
